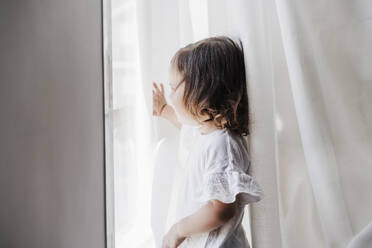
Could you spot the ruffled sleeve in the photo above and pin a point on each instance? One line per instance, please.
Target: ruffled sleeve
(225, 176)
(227, 186)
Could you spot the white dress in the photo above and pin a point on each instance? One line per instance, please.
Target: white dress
(216, 167)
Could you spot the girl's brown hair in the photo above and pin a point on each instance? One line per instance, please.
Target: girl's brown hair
(213, 71)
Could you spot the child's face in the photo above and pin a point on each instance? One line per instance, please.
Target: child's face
(176, 96)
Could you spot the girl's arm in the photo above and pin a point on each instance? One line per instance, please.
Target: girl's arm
(209, 217)
(169, 114)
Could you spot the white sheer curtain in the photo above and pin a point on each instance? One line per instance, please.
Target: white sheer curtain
(310, 88)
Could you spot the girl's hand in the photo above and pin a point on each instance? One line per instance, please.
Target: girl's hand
(172, 239)
(158, 100)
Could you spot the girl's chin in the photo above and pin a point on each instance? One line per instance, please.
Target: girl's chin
(185, 120)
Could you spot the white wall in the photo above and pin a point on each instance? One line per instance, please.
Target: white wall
(51, 126)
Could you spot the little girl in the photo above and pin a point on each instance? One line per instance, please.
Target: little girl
(210, 107)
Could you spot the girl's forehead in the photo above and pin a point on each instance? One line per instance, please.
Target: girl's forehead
(173, 74)
(172, 70)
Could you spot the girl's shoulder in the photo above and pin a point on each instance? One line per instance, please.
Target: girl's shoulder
(224, 148)
(217, 147)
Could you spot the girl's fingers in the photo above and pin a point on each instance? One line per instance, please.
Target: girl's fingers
(162, 88)
(154, 95)
(155, 103)
(156, 87)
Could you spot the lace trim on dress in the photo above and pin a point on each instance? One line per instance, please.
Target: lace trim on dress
(225, 186)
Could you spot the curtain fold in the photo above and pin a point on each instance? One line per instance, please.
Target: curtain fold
(319, 40)
(309, 87)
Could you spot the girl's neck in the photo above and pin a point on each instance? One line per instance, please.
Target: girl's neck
(207, 128)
